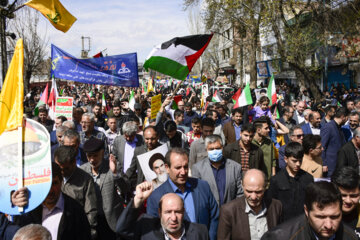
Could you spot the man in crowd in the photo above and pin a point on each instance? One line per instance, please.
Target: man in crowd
(134, 172)
(222, 174)
(60, 214)
(349, 128)
(298, 115)
(262, 140)
(72, 139)
(77, 115)
(349, 154)
(198, 150)
(288, 185)
(332, 139)
(99, 120)
(169, 225)
(232, 129)
(347, 180)
(296, 135)
(111, 133)
(43, 119)
(251, 215)
(107, 184)
(322, 218)
(200, 204)
(312, 162)
(244, 152)
(58, 122)
(350, 106)
(88, 131)
(313, 126)
(329, 114)
(288, 121)
(59, 139)
(189, 115)
(195, 133)
(77, 184)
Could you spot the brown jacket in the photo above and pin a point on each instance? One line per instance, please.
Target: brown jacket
(234, 222)
(256, 157)
(229, 132)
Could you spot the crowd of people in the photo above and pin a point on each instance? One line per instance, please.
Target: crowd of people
(286, 171)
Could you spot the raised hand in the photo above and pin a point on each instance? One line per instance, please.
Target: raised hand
(143, 191)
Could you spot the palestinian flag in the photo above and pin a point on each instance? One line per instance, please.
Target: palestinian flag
(271, 91)
(175, 102)
(132, 100)
(42, 101)
(52, 99)
(176, 57)
(90, 94)
(236, 96)
(245, 98)
(216, 97)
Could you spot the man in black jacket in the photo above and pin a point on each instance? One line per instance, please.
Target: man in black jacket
(322, 218)
(170, 225)
(347, 180)
(349, 154)
(289, 184)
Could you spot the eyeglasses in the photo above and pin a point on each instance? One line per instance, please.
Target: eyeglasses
(299, 136)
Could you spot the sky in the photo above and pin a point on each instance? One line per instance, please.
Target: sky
(120, 26)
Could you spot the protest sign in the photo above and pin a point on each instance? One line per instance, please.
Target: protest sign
(36, 166)
(155, 105)
(64, 107)
(144, 161)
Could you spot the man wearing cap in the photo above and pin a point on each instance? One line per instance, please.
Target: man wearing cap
(108, 187)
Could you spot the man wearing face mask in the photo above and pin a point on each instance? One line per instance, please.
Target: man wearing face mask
(223, 175)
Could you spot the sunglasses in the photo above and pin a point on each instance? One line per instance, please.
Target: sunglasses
(299, 136)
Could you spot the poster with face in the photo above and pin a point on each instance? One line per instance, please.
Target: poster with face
(152, 164)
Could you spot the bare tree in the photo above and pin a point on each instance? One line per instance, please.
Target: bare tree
(25, 25)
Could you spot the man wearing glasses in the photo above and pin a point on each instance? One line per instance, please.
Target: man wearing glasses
(296, 135)
(288, 121)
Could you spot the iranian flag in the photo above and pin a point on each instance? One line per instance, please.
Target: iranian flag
(132, 100)
(103, 101)
(52, 99)
(236, 96)
(216, 97)
(271, 91)
(177, 56)
(42, 101)
(245, 97)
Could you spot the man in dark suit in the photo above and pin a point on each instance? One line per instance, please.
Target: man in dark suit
(124, 146)
(322, 218)
(244, 152)
(250, 216)
(332, 139)
(222, 174)
(169, 225)
(329, 114)
(296, 134)
(72, 138)
(288, 121)
(348, 154)
(107, 187)
(134, 172)
(348, 129)
(313, 126)
(200, 204)
(59, 213)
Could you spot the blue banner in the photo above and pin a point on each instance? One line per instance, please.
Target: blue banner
(118, 70)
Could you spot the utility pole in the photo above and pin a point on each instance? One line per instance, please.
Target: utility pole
(85, 51)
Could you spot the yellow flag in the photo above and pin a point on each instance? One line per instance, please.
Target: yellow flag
(55, 12)
(150, 86)
(12, 93)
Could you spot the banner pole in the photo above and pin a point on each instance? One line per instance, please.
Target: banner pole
(20, 162)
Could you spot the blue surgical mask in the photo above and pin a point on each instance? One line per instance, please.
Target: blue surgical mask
(215, 155)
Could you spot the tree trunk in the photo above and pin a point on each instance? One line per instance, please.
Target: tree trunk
(27, 81)
(252, 62)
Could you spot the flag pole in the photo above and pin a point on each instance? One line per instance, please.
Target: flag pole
(20, 162)
(177, 88)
